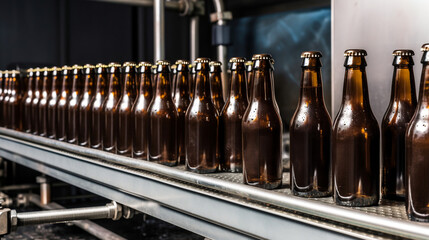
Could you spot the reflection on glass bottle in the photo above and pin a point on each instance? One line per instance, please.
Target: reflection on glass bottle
(109, 108)
(216, 85)
(52, 103)
(38, 84)
(173, 78)
(73, 104)
(417, 150)
(356, 139)
(163, 120)
(401, 109)
(62, 114)
(181, 100)
(43, 102)
(15, 101)
(27, 99)
(262, 129)
(96, 106)
(231, 118)
(5, 103)
(84, 105)
(192, 79)
(249, 73)
(141, 111)
(202, 124)
(310, 134)
(124, 142)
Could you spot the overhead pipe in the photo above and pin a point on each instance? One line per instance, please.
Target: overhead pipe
(159, 29)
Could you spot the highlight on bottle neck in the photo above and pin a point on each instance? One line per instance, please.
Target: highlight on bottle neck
(88, 69)
(215, 67)
(355, 58)
(30, 72)
(311, 59)
(201, 64)
(144, 67)
(77, 70)
(263, 61)
(182, 66)
(403, 57)
(56, 71)
(249, 66)
(162, 66)
(66, 70)
(237, 63)
(114, 68)
(129, 67)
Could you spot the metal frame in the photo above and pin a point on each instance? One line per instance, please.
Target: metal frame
(212, 207)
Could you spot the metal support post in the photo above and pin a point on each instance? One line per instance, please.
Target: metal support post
(45, 189)
(194, 32)
(158, 26)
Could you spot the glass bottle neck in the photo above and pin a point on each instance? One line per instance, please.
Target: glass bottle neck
(145, 83)
(29, 84)
(163, 84)
(55, 84)
(100, 84)
(75, 87)
(311, 84)
(113, 84)
(355, 87)
(47, 83)
(202, 84)
(403, 88)
(182, 84)
(263, 84)
(424, 85)
(129, 85)
(88, 84)
(238, 82)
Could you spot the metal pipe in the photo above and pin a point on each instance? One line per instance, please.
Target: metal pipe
(65, 215)
(158, 26)
(306, 206)
(194, 33)
(222, 51)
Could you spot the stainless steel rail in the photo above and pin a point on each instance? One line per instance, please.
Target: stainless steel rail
(309, 207)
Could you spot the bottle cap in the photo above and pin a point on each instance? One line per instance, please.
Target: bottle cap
(162, 62)
(403, 52)
(202, 60)
(215, 63)
(237, 60)
(311, 54)
(114, 67)
(355, 53)
(144, 67)
(425, 47)
(185, 62)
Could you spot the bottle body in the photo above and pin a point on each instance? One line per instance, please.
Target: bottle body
(85, 107)
(163, 120)
(52, 103)
(202, 124)
(35, 101)
(231, 118)
(43, 102)
(356, 144)
(73, 106)
(97, 121)
(394, 124)
(15, 102)
(62, 114)
(27, 99)
(216, 85)
(310, 135)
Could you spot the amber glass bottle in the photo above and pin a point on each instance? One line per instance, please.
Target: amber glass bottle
(110, 113)
(356, 139)
(310, 134)
(231, 118)
(141, 113)
(417, 150)
(216, 85)
(249, 66)
(202, 124)
(96, 106)
(262, 129)
(62, 114)
(43, 102)
(38, 84)
(73, 104)
(401, 109)
(15, 101)
(2, 95)
(27, 100)
(181, 99)
(52, 103)
(124, 142)
(163, 120)
(84, 107)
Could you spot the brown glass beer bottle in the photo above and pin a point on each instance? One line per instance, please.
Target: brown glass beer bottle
(62, 114)
(231, 118)
(2, 95)
(109, 108)
(52, 103)
(38, 84)
(73, 105)
(398, 114)
(27, 99)
(84, 106)
(356, 143)
(417, 150)
(97, 121)
(14, 101)
(141, 113)
(202, 124)
(310, 134)
(124, 142)
(249, 66)
(216, 85)
(43, 102)
(181, 99)
(163, 120)
(262, 129)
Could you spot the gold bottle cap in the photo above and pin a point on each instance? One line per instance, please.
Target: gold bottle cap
(77, 67)
(403, 52)
(163, 62)
(101, 65)
(14, 72)
(114, 64)
(263, 56)
(30, 70)
(129, 64)
(215, 63)
(144, 64)
(425, 47)
(311, 54)
(182, 62)
(249, 63)
(88, 66)
(6, 72)
(355, 53)
(65, 67)
(202, 60)
(37, 71)
(237, 60)
(174, 66)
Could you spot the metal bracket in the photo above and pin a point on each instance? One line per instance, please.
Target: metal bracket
(218, 16)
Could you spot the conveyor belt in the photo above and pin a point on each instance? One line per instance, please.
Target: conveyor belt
(216, 205)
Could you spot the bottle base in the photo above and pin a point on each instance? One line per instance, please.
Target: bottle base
(165, 162)
(357, 202)
(312, 194)
(266, 185)
(201, 170)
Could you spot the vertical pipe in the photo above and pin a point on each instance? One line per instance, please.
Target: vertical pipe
(222, 50)
(45, 193)
(194, 32)
(158, 26)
